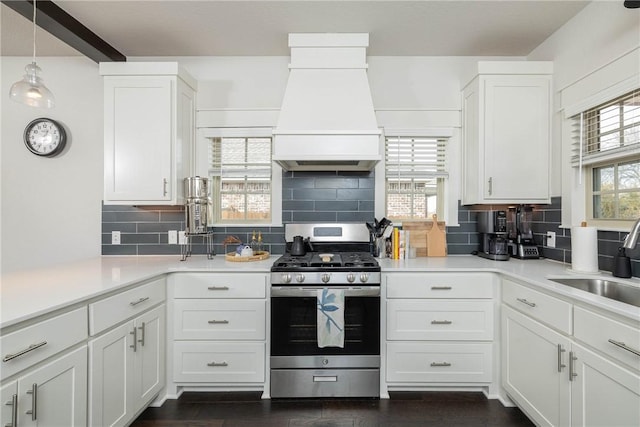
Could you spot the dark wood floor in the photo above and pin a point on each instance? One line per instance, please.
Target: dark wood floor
(402, 410)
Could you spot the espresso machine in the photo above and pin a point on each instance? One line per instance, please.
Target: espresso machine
(492, 226)
(521, 244)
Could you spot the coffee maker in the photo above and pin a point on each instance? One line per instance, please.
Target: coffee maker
(492, 226)
(521, 244)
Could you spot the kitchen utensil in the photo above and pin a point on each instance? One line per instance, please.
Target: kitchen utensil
(436, 239)
(298, 246)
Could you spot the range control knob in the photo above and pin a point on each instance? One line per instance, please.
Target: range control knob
(351, 277)
(364, 277)
(326, 277)
(286, 278)
(300, 278)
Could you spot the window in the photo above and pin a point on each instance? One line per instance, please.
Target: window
(240, 171)
(414, 177)
(608, 147)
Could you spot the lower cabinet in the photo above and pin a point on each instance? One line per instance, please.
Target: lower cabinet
(559, 382)
(54, 394)
(219, 329)
(439, 329)
(126, 366)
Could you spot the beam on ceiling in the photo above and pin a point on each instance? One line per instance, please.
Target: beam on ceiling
(56, 21)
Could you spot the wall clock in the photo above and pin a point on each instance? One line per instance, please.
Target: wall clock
(45, 137)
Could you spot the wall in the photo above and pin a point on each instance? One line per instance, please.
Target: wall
(51, 206)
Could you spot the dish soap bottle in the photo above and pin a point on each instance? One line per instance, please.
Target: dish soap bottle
(621, 264)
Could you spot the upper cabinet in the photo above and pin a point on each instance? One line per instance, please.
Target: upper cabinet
(149, 128)
(506, 112)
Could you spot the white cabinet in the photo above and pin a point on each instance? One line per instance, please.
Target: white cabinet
(603, 393)
(507, 133)
(127, 362)
(149, 128)
(439, 328)
(558, 381)
(48, 380)
(54, 394)
(535, 368)
(219, 329)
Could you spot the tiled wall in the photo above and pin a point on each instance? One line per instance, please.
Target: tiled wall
(331, 197)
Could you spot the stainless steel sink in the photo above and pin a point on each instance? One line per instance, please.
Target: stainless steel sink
(606, 288)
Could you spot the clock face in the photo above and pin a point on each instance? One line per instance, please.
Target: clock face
(45, 137)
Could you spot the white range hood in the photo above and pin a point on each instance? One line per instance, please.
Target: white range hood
(327, 121)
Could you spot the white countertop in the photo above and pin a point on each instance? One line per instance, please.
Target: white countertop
(36, 292)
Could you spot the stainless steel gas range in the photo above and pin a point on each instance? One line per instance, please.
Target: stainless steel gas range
(335, 259)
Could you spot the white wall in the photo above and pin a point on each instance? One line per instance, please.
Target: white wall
(602, 34)
(51, 207)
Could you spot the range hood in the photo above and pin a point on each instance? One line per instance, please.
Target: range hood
(327, 121)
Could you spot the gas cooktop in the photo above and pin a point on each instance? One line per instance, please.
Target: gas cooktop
(323, 261)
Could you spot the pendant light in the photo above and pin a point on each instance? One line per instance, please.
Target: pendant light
(31, 90)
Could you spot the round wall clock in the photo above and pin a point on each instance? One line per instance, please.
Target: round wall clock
(45, 137)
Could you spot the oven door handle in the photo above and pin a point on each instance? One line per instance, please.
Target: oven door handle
(309, 291)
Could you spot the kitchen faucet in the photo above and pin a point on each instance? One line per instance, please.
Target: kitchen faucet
(632, 238)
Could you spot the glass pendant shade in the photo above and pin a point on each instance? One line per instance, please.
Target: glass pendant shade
(31, 90)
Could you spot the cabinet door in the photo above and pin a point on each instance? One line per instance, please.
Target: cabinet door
(149, 367)
(56, 393)
(603, 393)
(516, 138)
(533, 371)
(9, 402)
(138, 128)
(111, 368)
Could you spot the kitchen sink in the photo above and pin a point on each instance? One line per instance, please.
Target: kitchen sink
(606, 288)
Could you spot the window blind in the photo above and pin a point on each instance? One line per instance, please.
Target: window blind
(418, 158)
(608, 132)
(240, 158)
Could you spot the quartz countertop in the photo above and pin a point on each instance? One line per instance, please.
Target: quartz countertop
(28, 294)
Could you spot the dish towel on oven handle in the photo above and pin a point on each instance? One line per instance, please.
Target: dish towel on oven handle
(330, 318)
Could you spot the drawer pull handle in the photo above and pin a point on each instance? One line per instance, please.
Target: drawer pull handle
(134, 303)
(218, 322)
(25, 351)
(218, 364)
(625, 347)
(322, 379)
(134, 346)
(441, 288)
(560, 364)
(34, 402)
(142, 328)
(524, 301)
(218, 288)
(572, 359)
(441, 322)
(438, 364)
(14, 411)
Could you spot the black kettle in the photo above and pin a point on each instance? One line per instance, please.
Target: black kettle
(298, 246)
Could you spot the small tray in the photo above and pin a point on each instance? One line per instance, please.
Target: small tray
(257, 256)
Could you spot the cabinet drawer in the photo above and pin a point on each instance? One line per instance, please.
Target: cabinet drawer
(439, 362)
(221, 362)
(439, 285)
(113, 310)
(45, 339)
(215, 319)
(439, 320)
(596, 330)
(543, 307)
(209, 285)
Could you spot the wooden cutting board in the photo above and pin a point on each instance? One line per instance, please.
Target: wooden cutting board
(436, 238)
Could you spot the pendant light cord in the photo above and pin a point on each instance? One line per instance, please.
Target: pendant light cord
(34, 31)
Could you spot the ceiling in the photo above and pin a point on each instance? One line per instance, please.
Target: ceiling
(239, 27)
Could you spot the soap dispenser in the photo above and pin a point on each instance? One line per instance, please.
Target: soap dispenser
(622, 264)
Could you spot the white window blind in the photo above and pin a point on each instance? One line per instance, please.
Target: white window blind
(240, 157)
(608, 132)
(407, 157)
(414, 177)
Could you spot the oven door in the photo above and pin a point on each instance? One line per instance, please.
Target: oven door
(294, 322)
